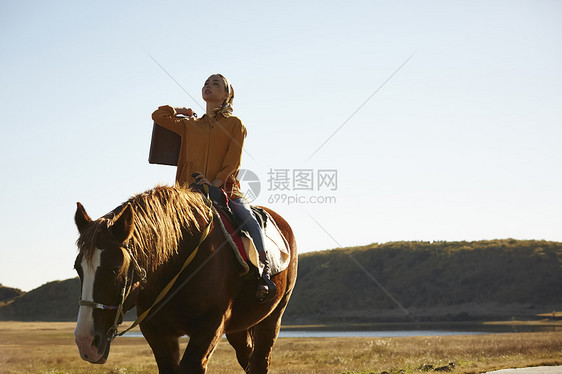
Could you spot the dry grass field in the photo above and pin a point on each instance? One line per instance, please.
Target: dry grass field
(48, 348)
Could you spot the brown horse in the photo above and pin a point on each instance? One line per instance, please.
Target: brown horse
(129, 255)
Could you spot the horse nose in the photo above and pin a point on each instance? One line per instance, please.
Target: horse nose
(85, 346)
(84, 340)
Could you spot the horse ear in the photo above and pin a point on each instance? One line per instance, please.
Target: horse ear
(122, 226)
(81, 218)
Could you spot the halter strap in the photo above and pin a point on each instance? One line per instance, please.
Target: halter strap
(95, 305)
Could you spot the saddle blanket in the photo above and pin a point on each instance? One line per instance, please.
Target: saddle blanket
(276, 246)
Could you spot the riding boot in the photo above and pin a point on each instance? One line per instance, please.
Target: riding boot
(266, 288)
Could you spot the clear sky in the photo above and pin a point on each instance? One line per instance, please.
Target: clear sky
(457, 137)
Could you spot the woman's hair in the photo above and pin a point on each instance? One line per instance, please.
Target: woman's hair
(226, 106)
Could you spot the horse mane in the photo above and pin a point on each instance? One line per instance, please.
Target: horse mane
(162, 217)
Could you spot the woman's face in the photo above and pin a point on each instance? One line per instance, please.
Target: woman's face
(214, 89)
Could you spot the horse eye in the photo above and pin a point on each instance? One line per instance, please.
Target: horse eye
(113, 271)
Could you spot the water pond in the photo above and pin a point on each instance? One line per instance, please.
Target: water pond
(399, 330)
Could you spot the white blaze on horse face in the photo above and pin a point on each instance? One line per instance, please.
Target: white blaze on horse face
(84, 332)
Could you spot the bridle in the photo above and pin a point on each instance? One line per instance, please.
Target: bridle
(124, 294)
(112, 332)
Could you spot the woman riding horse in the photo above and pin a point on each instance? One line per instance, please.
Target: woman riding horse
(212, 148)
(134, 255)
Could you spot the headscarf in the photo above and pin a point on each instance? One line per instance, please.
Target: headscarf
(226, 107)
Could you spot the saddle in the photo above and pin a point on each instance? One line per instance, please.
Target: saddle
(237, 236)
(220, 201)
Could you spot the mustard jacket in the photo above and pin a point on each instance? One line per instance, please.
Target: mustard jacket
(212, 146)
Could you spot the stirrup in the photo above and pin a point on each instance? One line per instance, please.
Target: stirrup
(271, 290)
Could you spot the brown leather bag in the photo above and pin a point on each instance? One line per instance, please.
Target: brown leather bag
(164, 146)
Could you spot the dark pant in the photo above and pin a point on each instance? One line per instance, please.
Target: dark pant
(241, 209)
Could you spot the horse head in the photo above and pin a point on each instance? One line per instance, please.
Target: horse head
(106, 282)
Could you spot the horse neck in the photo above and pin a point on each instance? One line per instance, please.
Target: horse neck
(166, 241)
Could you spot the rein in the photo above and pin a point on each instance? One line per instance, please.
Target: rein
(112, 333)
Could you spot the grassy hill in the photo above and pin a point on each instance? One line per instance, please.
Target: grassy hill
(8, 293)
(437, 280)
(432, 281)
(54, 301)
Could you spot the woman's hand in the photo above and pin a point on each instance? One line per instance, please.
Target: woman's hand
(200, 178)
(203, 180)
(184, 111)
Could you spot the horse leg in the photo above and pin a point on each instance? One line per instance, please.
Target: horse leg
(265, 335)
(166, 351)
(201, 345)
(243, 343)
